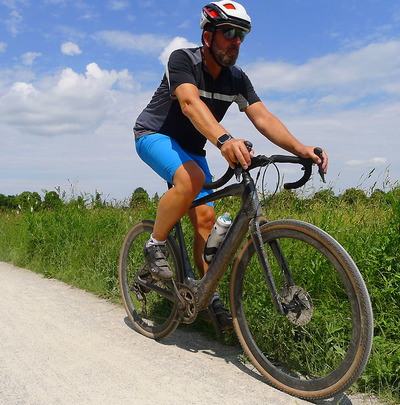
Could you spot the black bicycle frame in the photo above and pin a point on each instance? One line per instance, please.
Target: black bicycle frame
(248, 218)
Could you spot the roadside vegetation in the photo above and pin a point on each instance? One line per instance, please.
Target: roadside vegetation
(77, 240)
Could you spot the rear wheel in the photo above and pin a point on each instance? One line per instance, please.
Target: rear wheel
(152, 314)
(322, 346)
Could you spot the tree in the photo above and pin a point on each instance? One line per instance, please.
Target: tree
(9, 202)
(52, 200)
(139, 196)
(156, 198)
(29, 200)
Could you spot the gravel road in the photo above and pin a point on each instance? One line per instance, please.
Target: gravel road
(61, 345)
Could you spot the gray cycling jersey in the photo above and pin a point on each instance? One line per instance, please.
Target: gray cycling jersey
(164, 115)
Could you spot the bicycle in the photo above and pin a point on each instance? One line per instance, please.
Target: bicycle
(300, 307)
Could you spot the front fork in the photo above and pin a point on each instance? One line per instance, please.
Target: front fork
(258, 242)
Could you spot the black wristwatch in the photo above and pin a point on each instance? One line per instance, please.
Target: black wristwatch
(222, 139)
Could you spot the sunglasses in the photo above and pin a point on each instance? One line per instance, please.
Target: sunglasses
(232, 33)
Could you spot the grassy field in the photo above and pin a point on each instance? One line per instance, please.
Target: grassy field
(66, 240)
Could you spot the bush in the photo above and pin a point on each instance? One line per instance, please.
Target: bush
(353, 195)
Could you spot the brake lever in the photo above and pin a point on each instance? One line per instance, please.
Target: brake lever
(238, 171)
(318, 152)
(238, 167)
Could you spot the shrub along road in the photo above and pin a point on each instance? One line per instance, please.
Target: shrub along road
(61, 345)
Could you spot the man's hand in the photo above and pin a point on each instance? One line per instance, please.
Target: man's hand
(309, 153)
(235, 151)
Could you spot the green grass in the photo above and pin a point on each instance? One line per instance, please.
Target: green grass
(81, 247)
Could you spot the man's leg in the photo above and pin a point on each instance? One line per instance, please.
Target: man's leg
(202, 219)
(175, 203)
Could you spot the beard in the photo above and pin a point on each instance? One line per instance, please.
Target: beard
(227, 57)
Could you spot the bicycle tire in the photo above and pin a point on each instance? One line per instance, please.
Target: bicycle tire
(325, 356)
(152, 315)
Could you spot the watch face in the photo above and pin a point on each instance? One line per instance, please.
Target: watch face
(224, 138)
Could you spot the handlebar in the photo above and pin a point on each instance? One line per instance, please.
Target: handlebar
(261, 160)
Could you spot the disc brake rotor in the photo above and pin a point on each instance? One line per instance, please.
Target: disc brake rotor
(303, 310)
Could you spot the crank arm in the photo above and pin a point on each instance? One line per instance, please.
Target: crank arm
(177, 297)
(169, 295)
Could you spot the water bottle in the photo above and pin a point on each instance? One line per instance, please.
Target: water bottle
(217, 235)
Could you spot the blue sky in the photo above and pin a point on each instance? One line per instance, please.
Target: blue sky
(74, 75)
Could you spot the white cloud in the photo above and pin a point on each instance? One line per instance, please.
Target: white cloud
(376, 161)
(69, 48)
(176, 43)
(124, 40)
(74, 103)
(146, 43)
(14, 22)
(28, 58)
(118, 5)
(372, 69)
(3, 46)
(62, 2)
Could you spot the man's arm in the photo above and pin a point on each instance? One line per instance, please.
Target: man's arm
(202, 118)
(197, 111)
(273, 129)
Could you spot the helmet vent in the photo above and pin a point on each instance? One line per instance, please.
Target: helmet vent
(213, 14)
(230, 6)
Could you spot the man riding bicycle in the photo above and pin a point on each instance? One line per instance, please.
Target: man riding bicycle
(197, 89)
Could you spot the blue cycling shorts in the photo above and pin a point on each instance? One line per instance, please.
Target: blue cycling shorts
(164, 155)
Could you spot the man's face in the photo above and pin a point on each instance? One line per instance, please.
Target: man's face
(226, 50)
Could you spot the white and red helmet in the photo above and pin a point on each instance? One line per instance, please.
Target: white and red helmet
(220, 13)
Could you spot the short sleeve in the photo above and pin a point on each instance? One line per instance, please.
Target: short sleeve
(180, 69)
(247, 95)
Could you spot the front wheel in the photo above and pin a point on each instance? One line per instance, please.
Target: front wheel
(321, 347)
(151, 313)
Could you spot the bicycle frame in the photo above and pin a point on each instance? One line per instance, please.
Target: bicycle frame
(248, 218)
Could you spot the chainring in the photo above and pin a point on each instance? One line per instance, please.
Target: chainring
(187, 312)
(304, 305)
